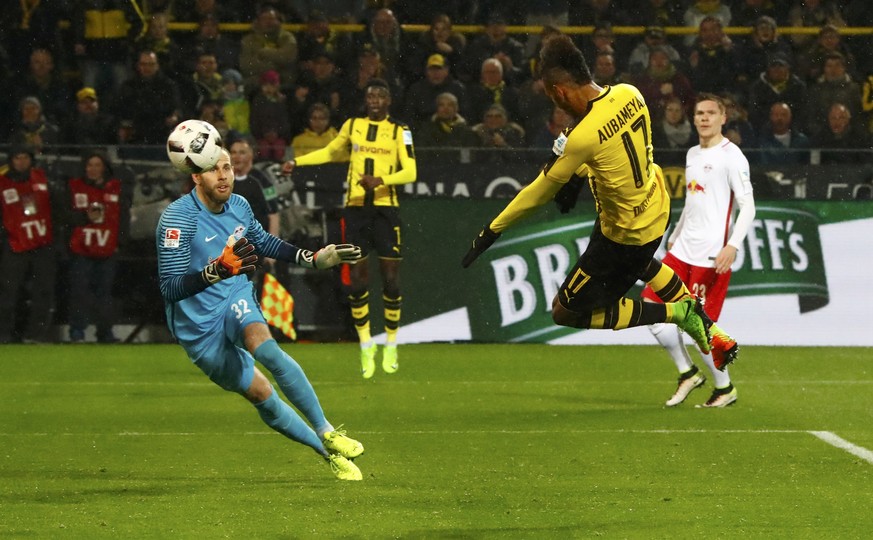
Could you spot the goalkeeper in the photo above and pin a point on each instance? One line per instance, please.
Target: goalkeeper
(207, 241)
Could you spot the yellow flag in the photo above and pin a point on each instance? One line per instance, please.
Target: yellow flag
(278, 306)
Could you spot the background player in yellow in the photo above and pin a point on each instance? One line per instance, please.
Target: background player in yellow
(381, 158)
(610, 143)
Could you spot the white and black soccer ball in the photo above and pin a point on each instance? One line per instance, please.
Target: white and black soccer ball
(194, 146)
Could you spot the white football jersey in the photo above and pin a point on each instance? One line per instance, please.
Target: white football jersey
(714, 178)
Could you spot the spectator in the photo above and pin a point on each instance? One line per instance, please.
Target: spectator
(812, 14)
(439, 39)
(529, 70)
(320, 85)
(354, 84)
(737, 129)
(212, 111)
(268, 48)
(835, 85)
(699, 10)
(45, 83)
(209, 39)
(98, 213)
(775, 84)
(447, 128)
(867, 102)
(318, 37)
(203, 84)
(673, 134)
(762, 43)
(653, 37)
(27, 259)
(157, 39)
(662, 81)
(841, 141)
(497, 131)
(254, 185)
(148, 104)
(553, 13)
(781, 144)
(28, 26)
(33, 130)
(237, 109)
(494, 43)
(89, 125)
(602, 41)
(318, 132)
(269, 123)
(810, 62)
(605, 72)
(714, 66)
(551, 130)
(491, 88)
(420, 103)
(103, 32)
(385, 36)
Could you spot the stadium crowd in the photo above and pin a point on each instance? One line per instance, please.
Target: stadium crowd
(91, 74)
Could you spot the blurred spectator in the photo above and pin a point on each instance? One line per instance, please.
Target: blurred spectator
(653, 37)
(103, 32)
(420, 101)
(98, 212)
(439, 39)
(497, 131)
(491, 88)
(545, 137)
(762, 43)
(812, 14)
(446, 128)
(254, 185)
(89, 125)
(29, 25)
(320, 85)
(780, 143)
(775, 84)
(33, 130)
(867, 102)
(748, 12)
(237, 110)
(544, 12)
(841, 141)
(27, 259)
(269, 120)
(318, 37)
(318, 131)
(268, 48)
(602, 41)
(834, 86)
(494, 43)
(384, 35)
(703, 9)
(605, 72)
(673, 132)
(737, 129)
(662, 81)
(212, 111)
(44, 82)
(355, 81)
(209, 39)
(207, 79)
(158, 40)
(713, 62)
(148, 105)
(810, 62)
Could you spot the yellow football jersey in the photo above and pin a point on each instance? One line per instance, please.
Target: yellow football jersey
(381, 149)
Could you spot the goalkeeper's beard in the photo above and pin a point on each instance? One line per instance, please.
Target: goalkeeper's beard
(217, 194)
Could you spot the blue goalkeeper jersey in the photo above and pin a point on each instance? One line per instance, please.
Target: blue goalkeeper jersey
(189, 236)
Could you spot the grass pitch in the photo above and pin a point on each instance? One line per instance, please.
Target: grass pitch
(465, 441)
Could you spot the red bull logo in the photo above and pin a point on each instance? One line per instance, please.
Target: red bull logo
(694, 187)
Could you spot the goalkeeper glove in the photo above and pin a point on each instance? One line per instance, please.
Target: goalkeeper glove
(480, 244)
(329, 256)
(237, 257)
(567, 196)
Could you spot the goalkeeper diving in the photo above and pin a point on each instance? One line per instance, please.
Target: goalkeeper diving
(208, 241)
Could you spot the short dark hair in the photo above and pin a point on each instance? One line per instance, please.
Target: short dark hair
(561, 60)
(379, 83)
(706, 96)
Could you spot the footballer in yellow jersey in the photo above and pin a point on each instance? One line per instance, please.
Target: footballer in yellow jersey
(610, 144)
(381, 157)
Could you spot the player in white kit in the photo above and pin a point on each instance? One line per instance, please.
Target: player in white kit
(704, 243)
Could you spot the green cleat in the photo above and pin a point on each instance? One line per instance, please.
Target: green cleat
(389, 359)
(344, 469)
(336, 442)
(368, 361)
(690, 317)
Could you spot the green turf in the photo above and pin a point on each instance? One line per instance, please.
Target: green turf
(465, 441)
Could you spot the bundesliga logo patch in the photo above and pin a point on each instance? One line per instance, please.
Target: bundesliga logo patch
(172, 237)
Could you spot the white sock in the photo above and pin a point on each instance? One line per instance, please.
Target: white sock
(719, 378)
(669, 336)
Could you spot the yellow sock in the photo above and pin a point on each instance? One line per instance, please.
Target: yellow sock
(667, 285)
(361, 315)
(392, 317)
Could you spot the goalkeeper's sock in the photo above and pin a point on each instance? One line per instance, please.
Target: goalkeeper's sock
(360, 304)
(293, 382)
(669, 336)
(392, 316)
(279, 416)
(664, 282)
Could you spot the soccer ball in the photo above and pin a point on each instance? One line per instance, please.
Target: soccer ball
(194, 146)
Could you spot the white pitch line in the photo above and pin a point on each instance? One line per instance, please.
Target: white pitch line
(841, 443)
